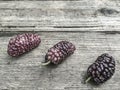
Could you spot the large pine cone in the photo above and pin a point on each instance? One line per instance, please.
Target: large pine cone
(59, 52)
(102, 69)
(23, 43)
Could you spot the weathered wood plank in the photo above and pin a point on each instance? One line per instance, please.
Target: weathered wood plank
(49, 15)
(74, 19)
(25, 73)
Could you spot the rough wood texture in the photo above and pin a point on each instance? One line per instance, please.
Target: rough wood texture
(93, 26)
(83, 15)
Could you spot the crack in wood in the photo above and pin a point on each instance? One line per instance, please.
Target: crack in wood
(75, 26)
(18, 26)
(10, 33)
(110, 32)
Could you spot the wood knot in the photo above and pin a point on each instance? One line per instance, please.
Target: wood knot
(107, 11)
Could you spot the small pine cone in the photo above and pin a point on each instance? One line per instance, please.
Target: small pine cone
(23, 43)
(59, 52)
(102, 69)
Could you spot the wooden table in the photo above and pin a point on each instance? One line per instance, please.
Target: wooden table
(92, 25)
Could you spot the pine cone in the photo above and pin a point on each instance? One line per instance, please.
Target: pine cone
(102, 69)
(23, 43)
(59, 52)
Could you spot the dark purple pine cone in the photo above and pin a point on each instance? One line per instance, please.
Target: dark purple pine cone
(102, 69)
(59, 52)
(23, 43)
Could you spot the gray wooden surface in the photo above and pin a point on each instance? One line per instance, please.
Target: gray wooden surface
(92, 25)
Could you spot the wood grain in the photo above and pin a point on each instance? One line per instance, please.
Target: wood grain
(49, 15)
(93, 26)
(25, 73)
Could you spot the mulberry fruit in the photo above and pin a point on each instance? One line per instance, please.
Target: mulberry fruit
(22, 43)
(59, 52)
(102, 69)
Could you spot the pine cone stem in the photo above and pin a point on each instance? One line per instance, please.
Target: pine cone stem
(88, 79)
(46, 63)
